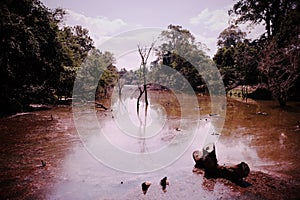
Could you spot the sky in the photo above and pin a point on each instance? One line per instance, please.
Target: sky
(111, 22)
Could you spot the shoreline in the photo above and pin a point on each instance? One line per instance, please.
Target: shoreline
(21, 178)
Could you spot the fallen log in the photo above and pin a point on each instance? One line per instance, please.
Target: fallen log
(99, 105)
(206, 160)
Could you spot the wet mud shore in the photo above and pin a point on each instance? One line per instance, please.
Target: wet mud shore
(50, 135)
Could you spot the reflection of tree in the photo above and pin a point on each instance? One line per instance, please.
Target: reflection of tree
(142, 130)
(123, 106)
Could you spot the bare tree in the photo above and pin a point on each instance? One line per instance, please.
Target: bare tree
(143, 88)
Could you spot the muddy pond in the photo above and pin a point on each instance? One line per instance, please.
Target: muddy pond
(92, 153)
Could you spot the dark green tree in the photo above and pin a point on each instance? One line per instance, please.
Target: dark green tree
(179, 50)
(29, 52)
(268, 12)
(231, 37)
(75, 44)
(38, 57)
(279, 51)
(236, 58)
(280, 58)
(97, 76)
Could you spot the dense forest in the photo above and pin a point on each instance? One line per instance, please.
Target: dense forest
(40, 57)
(272, 61)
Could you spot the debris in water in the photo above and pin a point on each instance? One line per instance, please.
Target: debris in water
(207, 160)
(145, 186)
(262, 113)
(298, 126)
(43, 163)
(164, 182)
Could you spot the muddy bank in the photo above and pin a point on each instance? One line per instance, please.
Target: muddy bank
(72, 173)
(28, 138)
(262, 185)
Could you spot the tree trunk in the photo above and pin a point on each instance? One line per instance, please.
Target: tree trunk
(138, 100)
(268, 23)
(207, 161)
(146, 94)
(282, 101)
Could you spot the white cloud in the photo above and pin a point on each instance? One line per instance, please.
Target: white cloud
(124, 45)
(100, 28)
(215, 20)
(253, 32)
(209, 41)
(211, 23)
(115, 36)
(100, 25)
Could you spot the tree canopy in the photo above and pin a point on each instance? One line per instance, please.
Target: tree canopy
(39, 57)
(96, 77)
(269, 12)
(273, 59)
(180, 51)
(236, 58)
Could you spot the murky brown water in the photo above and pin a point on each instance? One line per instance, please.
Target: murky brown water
(257, 132)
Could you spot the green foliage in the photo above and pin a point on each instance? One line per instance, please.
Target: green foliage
(281, 67)
(38, 58)
(274, 58)
(236, 58)
(96, 77)
(131, 77)
(28, 48)
(180, 51)
(230, 37)
(108, 80)
(270, 12)
(246, 57)
(75, 45)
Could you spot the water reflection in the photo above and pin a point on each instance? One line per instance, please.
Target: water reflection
(164, 136)
(149, 139)
(266, 142)
(130, 123)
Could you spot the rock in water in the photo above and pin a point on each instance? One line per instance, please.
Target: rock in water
(164, 182)
(145, 186)
(43, 163)
(198, 158)
(207, 160)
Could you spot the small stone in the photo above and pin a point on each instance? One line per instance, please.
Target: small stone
(145, 186)
(164, 182)
(43, 163)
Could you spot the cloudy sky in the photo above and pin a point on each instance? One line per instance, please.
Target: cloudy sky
(110, 18)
